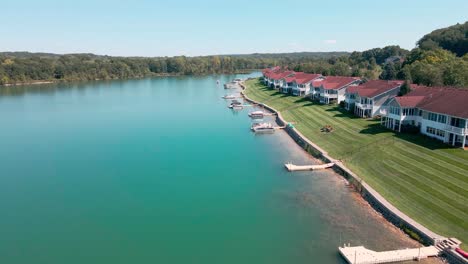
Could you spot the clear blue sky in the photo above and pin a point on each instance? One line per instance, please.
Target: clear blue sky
(175, 27)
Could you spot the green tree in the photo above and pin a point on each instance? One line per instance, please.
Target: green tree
(389, 72)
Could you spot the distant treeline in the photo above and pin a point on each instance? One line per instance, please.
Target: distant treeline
(440, 58)
(23, 67)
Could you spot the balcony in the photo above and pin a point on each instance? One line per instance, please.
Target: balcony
(456, 130)
(364, 106)
(329, 95)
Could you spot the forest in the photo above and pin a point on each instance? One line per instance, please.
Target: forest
(439, 58)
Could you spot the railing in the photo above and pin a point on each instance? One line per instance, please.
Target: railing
(364, 106)
(296, 89)
(456, 130)
(329, 95)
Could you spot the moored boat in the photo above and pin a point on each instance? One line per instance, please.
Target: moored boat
(262, 127)
(235, 104)
(237, 107)
(256, 114)
(230, 85)
(229, 96)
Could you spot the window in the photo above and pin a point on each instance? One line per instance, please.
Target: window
(432, 116)
(395, 110)
(440, 133)
(442, 119)
(436, 117)
(435, 131)
(457, 122)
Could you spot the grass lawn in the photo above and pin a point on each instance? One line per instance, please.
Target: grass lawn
(424, 178)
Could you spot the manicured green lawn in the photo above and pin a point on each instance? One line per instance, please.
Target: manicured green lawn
(424, 178)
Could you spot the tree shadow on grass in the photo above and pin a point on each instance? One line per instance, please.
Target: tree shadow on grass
(342, 112)
(423, 141)
(301, 100)
(279, 94)
(415, 138)
(374, 129)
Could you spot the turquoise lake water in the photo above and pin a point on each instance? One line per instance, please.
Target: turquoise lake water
(159, 170)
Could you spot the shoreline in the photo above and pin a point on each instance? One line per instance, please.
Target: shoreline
(38, 82)
(378, 203)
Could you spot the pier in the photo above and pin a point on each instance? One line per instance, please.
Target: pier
(291, 167)
(362, 255)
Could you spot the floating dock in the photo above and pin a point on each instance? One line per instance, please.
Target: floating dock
(292, 167)
(362, 255)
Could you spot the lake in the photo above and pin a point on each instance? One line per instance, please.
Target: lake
(159, 170)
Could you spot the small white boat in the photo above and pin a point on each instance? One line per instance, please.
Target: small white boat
(261, 125)
(229, 96)
(256, 114)
(230, 85)
(292, 167)
(264, 129)
(235, 104)
(237, 107)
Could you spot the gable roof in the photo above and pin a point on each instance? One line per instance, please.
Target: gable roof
(280, 75)
(337, 82)
(306, 78)
(450, 101)
(290, 79)
(272, 69)
(269, 71)
(373, 88)
(409, 101)
(444, 100)
(317, 83)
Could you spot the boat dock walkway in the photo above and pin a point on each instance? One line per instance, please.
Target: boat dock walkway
(362, 255)
(292, 167)
(279, 127)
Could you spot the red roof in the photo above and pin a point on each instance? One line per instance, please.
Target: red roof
(269, 71)
(306, 78)
(443, 100)
(409, 101)
(273, 69)
(317, 83)
(337, 82)
(373, 88)
(280, 75)
(292, 77)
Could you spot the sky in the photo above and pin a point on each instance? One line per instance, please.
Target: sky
(207, 27)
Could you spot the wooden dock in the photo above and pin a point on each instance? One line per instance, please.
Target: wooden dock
(362, 255)
(292, 167)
